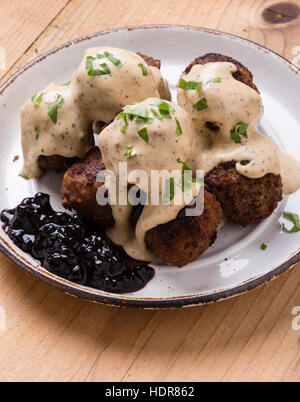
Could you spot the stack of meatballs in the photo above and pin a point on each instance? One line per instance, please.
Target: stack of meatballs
(227, 194)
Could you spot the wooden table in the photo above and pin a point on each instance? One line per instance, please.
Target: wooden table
(54, 337)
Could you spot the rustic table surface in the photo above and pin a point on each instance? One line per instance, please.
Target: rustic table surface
(51, 336)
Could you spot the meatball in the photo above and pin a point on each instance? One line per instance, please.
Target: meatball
(79, 190)
(56, 162)
(98, 126)
(59, 162)
(242, 74)
(150, 60)
(244, 200)
(185, 238)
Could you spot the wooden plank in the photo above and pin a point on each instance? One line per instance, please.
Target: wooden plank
(52, 336)
(22, 21)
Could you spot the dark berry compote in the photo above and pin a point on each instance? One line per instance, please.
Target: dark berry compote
(67, 247)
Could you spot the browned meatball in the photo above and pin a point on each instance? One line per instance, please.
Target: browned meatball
(56, 162)
(59, 162)
(150, 60)
(185, 238)
(244, 200)
(79, 190)
(242, 74)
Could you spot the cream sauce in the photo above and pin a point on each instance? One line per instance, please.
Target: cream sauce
(230, 101)
(103, 96)
(161, 152)
(70, 136)
(88, 99)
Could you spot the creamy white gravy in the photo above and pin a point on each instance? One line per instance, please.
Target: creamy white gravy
(229, 102)
(162, 150)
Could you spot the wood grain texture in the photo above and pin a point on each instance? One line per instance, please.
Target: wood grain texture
(54, 337)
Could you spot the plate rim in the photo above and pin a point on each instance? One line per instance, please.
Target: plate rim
(103, 297)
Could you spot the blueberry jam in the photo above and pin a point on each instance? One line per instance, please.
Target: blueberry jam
(65, 246)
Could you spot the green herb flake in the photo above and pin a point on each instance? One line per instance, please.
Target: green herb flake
(213, 80)
(122, 116)
(184, 165)
(201, 104)
(143, 133)
(143, 68)
(294, 218)
(156, 115)
(190, 85)
(263, 246)
(140, 111)
(37, 132)
(52, 109)
(23, 175)
(239, 129)
(89, 66)
(165, 109)
(37, 100)
(169, 190)
(178, 127)
(111, 58)
(144, 120)
(129, 151)
(65, 84)
(186, 181)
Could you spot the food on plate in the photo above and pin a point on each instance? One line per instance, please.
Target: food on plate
(57, 123)
(241, 74)
(244, 200)
(80, 187)
(246, 170)
(156, 163)
(185, 238)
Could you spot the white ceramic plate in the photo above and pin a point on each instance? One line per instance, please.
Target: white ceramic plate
(235, 263)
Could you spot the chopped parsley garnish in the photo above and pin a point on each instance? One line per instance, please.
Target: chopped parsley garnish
(122, 116)
(294, 218)
(129, 151)
(184, 165)
(37, 100)
(201, 104)
(37, 132)
(178, 127)
(111, 58)
(65, 84)
(89, 66)
(217, 79)
(156, 115)
(186, 181)
(23, 175)
(165, 109)
(263, 246)
(142, 116)
(143, 133)
(239, 129)
(143, 68)
(189, 85)
(52, 109)
(169, 190)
